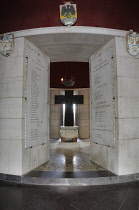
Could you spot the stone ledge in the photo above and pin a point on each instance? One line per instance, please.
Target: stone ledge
(91, 181)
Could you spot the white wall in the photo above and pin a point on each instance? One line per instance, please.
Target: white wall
(14, 158)
(55, 114)
(128, 109)
(11, 90)
(105, 151)
(37, 155)
(123, 157)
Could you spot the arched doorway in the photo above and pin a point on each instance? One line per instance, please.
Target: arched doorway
(60, 44)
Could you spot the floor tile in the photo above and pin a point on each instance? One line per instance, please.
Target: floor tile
(110, 203)
(132, 201)
(96, 196)
(100, 207)
(59, 204)
(127, 207)
(118, 195)
(134, 192)
(84, 204)
(109, 197)
(46, 197)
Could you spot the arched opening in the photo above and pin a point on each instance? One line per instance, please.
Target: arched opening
(70, 47)
(65, 44)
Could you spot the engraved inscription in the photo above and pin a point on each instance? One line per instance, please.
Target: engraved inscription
(36, 118)
(102, 98)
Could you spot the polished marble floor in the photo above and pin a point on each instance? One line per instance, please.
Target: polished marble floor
(69, 157)
(110, 197)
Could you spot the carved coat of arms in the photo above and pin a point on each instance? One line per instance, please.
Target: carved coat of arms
(68, 13)
(132, 39)
(6, 44)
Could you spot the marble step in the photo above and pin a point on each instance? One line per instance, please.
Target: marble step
(76, 178)
(56, 178)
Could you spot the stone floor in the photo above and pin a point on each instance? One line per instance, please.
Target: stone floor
(70, 156)
(110, 197)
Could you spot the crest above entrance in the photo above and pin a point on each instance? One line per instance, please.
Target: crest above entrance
(68, 13)
(132, 39)
(6, 44)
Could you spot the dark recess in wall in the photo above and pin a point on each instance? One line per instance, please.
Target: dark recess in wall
(77, 70)
(117, 14)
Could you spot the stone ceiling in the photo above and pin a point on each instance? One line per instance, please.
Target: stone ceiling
(69, 47)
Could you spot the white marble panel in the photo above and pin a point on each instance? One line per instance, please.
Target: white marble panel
(128, 87)
(11, 108)
(128, 128)
(127, 66)
(128, 107)
(11, 67)
(11, 129)
(113, 158)
(105, 156)
(11, 157)
(128, 156)
(102, 71)
(37, 114)
(11, 87)
(34, 157)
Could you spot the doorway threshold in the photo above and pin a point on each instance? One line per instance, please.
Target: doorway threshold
(85, 178)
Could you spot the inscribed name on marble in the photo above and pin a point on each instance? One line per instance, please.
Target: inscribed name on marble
(102, 109)
(37, 99)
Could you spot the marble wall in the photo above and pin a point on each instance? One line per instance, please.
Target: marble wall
(15, 158)
(36, 155)
(123, 157)
(11, 91)
(55, 114)
(84, 114)
(128, 108)
(104, 146)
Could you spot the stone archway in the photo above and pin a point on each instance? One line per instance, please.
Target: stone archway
(53, 41)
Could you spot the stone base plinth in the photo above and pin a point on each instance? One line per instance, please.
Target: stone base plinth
(69, 133)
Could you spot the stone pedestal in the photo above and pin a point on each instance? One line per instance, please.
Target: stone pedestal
(69, 133)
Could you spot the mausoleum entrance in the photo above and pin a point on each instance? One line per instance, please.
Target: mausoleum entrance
(101, 84)
(30, 61)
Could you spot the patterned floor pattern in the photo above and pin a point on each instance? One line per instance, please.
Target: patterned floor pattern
(69, 156)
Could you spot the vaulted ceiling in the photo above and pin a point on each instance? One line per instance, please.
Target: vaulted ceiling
(70, 46)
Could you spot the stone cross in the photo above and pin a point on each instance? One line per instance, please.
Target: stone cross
(69, 99)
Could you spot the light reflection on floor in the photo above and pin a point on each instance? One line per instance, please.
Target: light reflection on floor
(69, 156)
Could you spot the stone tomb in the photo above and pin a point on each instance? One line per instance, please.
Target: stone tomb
(69, 133)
